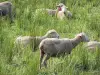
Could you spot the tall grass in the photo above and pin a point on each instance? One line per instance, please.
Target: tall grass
(86, 18)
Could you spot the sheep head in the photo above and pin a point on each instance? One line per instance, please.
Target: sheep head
(62, 7)
(83, 37)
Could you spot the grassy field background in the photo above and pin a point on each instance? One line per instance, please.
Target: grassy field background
(86, 18)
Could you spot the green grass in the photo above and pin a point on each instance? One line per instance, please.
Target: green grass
(86, 18)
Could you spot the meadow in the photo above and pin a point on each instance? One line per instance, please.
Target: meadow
(86, 18)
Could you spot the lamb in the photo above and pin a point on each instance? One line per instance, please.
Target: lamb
(92, 45)
(6, 9)
(24, 41)
(53, 47)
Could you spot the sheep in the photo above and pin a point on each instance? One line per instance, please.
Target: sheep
(24, 41)
(92, 45)
(59, 12)
(6, 8)
(52, 47)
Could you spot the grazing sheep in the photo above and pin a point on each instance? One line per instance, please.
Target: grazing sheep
(53, 47)
(92, 45)
(6, 8)
(24, 41)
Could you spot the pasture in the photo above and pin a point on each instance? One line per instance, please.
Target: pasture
(86, 18)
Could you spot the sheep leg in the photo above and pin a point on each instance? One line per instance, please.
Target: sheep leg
(45, 60)
(41, 57)
(10, 13)
(0, 12)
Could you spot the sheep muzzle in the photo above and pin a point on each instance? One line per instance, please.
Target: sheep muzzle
(59, 9)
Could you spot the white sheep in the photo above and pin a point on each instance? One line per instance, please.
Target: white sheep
(53, 47)
(24, 41)
(92, 45)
